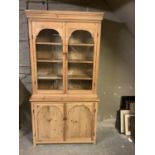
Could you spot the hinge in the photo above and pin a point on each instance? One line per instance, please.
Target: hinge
(97, 34)
(94, 110)
(32, 37)
(33, 110)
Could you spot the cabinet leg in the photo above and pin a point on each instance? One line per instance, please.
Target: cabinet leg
(34, 144)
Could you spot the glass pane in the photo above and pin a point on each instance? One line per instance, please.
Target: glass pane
(49, 69)
(80, 53)
(80, 61)
(79, 70)
(50, 84)
(49, 35)
(79, 85)
(49, 52)
(49, 60)
(81, 37)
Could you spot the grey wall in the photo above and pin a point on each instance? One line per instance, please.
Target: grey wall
(24, 61)
(117, 67)
(116, 71)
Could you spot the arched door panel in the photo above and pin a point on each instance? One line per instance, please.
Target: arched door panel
(49, 56)
(79, 123)
(49, 120)
(80, 60)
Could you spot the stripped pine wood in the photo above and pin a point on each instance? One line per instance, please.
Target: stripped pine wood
(79, 121)
(49, 120)
(64, 54)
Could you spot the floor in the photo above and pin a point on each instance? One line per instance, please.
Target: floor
(109, 142)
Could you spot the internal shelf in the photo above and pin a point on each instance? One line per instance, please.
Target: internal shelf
(80, 61)
(49, 77)
(81, 44)
(53, 43)
(70, 61)
(79, 78)
(48, 43)
(52, 61)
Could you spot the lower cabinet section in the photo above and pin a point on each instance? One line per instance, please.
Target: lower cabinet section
(71, 122)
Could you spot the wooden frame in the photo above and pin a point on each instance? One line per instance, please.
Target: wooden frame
(122, 119)
(79, 90)
(128, 124)
(65, 15)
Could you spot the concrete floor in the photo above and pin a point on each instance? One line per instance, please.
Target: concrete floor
(109, 142)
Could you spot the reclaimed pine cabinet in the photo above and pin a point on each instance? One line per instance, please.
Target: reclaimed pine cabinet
(64, 53)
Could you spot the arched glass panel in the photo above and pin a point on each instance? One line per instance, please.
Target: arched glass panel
(49, 60)
(80, 60)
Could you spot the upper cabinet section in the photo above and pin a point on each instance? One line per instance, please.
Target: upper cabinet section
(64, 50)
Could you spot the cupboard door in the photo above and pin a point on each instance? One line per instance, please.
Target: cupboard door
(49, 122)
(81, 52)
(49, 60)
(48, 45)
(80, 122)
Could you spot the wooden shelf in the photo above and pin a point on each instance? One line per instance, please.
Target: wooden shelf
(79, 78)
(70, 61)
(53, 43)
(52, 61)
(80, 61)
(91, 45)
(49, 77)
(48, 43)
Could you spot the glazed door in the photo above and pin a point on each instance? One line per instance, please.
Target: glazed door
(81, 44)
(80, 122)
(48, 57)
(49, 122)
